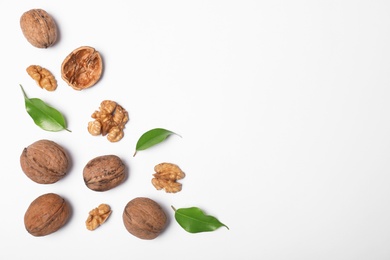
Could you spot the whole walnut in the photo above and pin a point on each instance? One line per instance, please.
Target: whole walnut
(44, 161)
(104, 172)
(39, 28)
(46, 214)
(144, 218)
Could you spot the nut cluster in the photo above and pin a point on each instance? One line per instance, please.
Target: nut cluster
(46, 162)
(98, 216)
(166, 177)
(110, 120)
(43, 77)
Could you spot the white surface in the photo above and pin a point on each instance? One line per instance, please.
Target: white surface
(283, 108)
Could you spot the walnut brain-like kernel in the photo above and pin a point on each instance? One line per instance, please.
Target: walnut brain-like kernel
(98, 216)
(110, 120)
(43, 77)
(166, 177)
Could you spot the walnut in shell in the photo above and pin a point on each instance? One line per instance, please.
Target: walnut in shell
(144, 218)
(46, 214)
(39, 28)
(44, 161)
(82, 68)
(104, 173)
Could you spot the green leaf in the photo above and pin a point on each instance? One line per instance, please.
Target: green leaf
(151, 138)
(44, 116)
(194, 220)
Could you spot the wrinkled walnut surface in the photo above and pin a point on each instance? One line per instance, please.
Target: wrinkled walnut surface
(82, 68)
(166, 177)
(144, 218)
(39, 28)
(104, 173)
(43, 77)
(44, 161)
(46, 214)
(98, 216)
(110, 120)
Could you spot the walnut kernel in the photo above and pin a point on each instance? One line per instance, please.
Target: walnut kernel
(166, 177)
(98, 216)
(43, 77)
(110, 121)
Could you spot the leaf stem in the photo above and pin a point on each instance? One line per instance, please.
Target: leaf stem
(24, 93)
(173, 208)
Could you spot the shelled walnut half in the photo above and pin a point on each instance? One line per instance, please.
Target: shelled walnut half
(166, 177)
(110, 120)
(43, 77)
(98, 216)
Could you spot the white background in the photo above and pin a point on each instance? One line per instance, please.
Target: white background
(283, 108)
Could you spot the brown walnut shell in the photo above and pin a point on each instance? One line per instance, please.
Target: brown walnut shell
(39, 28)
(46, 214)
(104, 173)
(44, 161)
(144, 218)
(82, 68)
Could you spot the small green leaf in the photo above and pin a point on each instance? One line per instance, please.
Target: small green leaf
(152, 137)
(44, 116)
(194, 220)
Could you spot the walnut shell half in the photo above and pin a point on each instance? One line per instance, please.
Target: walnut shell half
(104, 173)
(39, 28)
(144, 218)
(82, 68)
(44, 161)
(46, 214)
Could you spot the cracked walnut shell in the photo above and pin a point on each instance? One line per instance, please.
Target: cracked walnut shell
(166, 177)
(43, 77)
(82, 68)
(46, 214)
(44, 161)
(144, 218)
(39, 28)
(98, 216)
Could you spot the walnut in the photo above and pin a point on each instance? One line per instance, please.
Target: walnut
(166, 177)
(46, 214)
(104, 173)
(43, 77)
(82, 68)
(110, 121)
(98, 216)
(44, 161)
(39, 28)
(144, 218)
